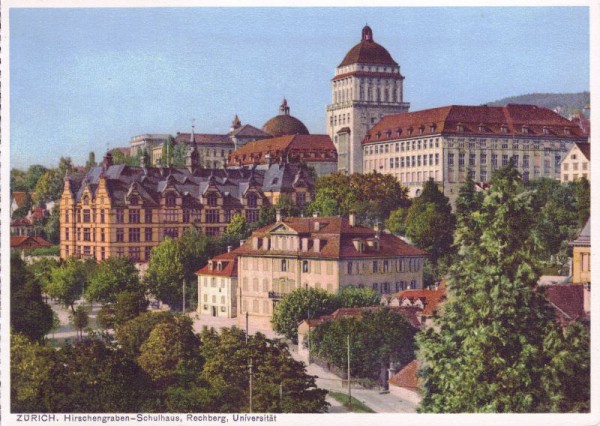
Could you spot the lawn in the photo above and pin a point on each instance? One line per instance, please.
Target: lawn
(357, 406)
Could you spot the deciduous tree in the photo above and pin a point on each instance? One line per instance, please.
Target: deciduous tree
(112, 276)
(67, 281)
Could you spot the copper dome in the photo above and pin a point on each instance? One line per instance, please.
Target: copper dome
(285, 124)
(368, 52)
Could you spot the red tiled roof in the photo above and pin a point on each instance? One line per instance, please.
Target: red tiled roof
(307, 147)
(28, 242)
(585, 150)
(474, 120)
(229, 263)
(409, 313)
(407, 376)
(21, 222)
(336, 238)
(367, 52)
(431, 298)
(567, 300)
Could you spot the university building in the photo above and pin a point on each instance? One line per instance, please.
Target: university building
(120, 210)
(367, 85)
(444, 144)
(326, 253)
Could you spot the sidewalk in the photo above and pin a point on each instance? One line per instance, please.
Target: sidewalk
(66, 332)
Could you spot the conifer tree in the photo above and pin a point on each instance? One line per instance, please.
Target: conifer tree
(496, 346)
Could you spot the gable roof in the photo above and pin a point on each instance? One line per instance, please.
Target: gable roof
(431, 298)
(18, 197)
(28, 242)
(407, 376)
(584, 237)
(229, 269)
(567, 300)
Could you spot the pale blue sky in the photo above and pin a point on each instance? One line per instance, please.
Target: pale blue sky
(85, 78)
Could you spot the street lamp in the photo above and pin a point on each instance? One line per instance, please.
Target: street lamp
(349, 387)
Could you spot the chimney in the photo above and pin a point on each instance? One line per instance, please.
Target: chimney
(242, 242)
(255, 243)
(352, 219)
(278, 215)
(266, 243)
(316, 214)
(304, 244)
(317, 226)
(317, 245)
(229, 249)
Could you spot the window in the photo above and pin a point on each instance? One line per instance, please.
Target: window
(375, 266)
(171, 232)
(134, 216)
(119, 215)
(525, 160)
(494, 160)
(504, 160)
(283, 265)
(450, 159)
(211, 199)
(120, 234)
(251, 216)
(86, 234)
(386, 266)
(305, 267)
(147, 251)
(301, 199)
(134, 235)
(461, 159)
(482, 158)
(212, 216)
(148, 215)
(471, 159)
(120, 251)
(134, 253)
(349, 268)
(170, 200)
(86, 216)
(252, 200)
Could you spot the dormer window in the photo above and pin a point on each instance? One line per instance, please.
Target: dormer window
(432, 128)
(252, 200)
(86, 200)
(410, 131)
(398, 132)
(211, 199)
(219, 266)
(133, 200)
(524, 129)
(481, 127)
(504, 128)
(378, 135)
(388, 134)
(210, 265)
(567, 131)
(170, 200)
(546, 130)
(460, 127)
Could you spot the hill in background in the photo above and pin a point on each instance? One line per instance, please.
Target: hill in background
(564, 103)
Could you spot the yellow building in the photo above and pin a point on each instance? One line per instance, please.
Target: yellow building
(581, 255)
(217, 286)
(324, 253)
(576, 164)
(120, 210)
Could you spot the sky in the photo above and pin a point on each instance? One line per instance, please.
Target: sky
(83, 80)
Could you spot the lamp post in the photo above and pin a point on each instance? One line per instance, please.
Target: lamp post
(250, 384)
(349, 387)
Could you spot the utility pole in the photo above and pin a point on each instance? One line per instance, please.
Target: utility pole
(349, 387)
(184, 296)
(250, 370)
(246, 327)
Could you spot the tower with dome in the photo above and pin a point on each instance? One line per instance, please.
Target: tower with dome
(367, 85)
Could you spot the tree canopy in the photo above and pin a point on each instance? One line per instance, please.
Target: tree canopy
(68, 280)
(496, 346)
(298, 305)
(112, 276)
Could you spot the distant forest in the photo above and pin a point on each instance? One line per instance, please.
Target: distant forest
(568, 103)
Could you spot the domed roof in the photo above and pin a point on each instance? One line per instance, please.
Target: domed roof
(368, 52)
(285, 124)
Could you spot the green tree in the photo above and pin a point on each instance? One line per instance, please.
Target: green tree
(583, 203)
(52, 226)
(279, 383)
(17, 180)
(430, 223)
(50, 185)
(93, 376)
(91, 161)
(29, 314)
(353, 297)
(297, 306)
(33, 174)
(238, 227)
(67, 281)
(173, 264)
(169, 351)
(31, 366)
(80, 319)
(112, 276)
(396, 222)
(495, 346)
(469, 199)
(128, 305)
(377, 338)
(179, 154)
(133, 333)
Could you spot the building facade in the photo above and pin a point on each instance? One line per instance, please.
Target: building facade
(444, 144)
(576, 164)
(326, 253)
(217, 286)
(367, 85)
(119, 210)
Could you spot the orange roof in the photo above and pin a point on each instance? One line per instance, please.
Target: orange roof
(19, 197)
(335, 236)
(17, 241)
(229, 266)
(301, 147)
(409, 313)
(431, 298)
(461, 120)
(407, 376)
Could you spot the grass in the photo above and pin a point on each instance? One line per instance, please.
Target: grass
(357, 406)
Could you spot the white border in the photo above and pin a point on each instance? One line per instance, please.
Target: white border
(332, 419)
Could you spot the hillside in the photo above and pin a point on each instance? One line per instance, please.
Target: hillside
(568, 103)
